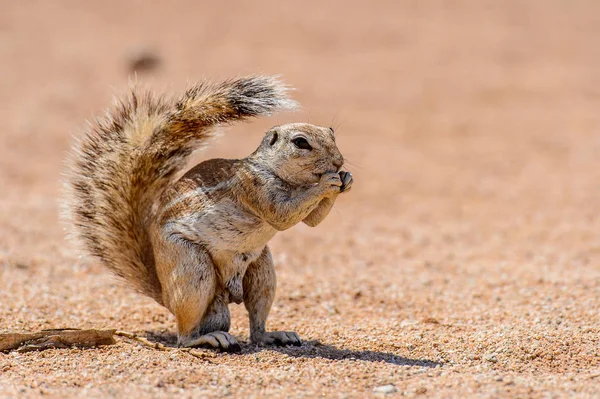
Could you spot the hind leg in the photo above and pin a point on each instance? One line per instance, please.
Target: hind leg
(217, 316)
(189, 282)
(215, 326)
(259, 291)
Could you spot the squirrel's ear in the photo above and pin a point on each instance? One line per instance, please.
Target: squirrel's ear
(273, 138)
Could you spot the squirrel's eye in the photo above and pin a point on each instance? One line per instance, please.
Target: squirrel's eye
(301, 142)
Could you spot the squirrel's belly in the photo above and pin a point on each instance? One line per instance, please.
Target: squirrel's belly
(232, 268)
(233, 237)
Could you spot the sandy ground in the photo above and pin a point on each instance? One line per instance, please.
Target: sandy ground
(465, 262)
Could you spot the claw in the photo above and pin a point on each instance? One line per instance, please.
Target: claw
(279, 338)
(235, 348)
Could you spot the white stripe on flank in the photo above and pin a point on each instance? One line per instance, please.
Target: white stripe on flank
(200, 191)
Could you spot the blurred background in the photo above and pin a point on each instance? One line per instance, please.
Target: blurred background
(433, 98)
(472, 129)
(470, 109)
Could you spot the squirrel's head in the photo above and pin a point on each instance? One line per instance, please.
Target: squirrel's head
(299, 153)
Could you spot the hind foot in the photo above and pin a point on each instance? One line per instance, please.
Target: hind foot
(279, 338)
(220, 340)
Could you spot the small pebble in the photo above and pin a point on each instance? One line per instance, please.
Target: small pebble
(491, 358)
(385, 389)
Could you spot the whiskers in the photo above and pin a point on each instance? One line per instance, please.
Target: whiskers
(336, 123)
(348, 162)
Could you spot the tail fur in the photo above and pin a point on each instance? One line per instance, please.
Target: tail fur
(126, 159)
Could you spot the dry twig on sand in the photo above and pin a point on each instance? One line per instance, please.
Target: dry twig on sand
(59, 338)
(69, 337)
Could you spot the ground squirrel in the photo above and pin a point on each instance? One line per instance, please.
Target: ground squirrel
(199, 243)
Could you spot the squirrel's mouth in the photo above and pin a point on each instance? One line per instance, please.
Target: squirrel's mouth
(318, 175)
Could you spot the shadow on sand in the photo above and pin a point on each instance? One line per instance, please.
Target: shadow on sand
(312, 349)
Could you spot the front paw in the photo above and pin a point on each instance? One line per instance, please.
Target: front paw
(330, 184)
(347, 180)
(279, 338)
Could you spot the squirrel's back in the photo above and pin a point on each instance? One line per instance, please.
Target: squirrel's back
(126, 159)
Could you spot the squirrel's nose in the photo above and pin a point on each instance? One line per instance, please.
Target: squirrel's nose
(338, 163)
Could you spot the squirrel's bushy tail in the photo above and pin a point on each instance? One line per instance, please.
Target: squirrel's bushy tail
(126, 159)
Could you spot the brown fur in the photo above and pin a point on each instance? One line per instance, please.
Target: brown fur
(197, 244)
